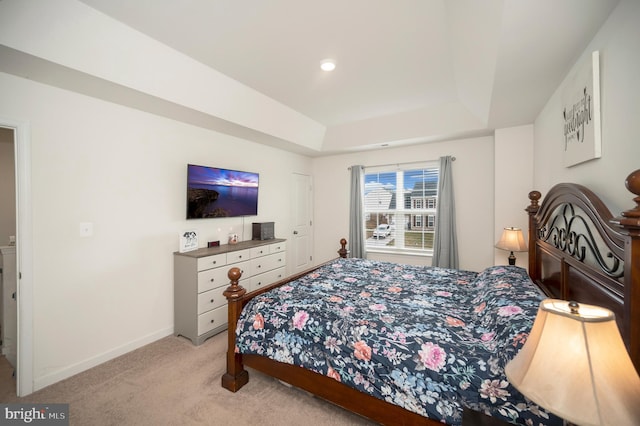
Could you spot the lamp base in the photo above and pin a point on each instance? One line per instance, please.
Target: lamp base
(512, 259)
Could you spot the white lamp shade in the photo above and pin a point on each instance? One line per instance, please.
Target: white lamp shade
(576, 366)
(512, 240)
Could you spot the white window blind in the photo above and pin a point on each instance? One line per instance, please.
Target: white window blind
(400, 207)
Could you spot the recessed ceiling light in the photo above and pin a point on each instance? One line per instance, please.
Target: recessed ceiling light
(328, 65)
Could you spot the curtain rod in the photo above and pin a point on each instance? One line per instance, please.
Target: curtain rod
(401, 164)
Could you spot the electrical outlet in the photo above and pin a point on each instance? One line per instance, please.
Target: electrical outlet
(86, 229)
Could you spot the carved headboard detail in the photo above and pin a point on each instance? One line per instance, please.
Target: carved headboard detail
(579, 251)
(570, 231)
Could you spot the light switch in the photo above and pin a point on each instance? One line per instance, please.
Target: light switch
(86, 229)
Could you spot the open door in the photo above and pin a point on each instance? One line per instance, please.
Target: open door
(23, 256)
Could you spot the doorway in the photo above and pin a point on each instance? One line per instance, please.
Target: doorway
(8, 305)
(23, 263)
(302, 221)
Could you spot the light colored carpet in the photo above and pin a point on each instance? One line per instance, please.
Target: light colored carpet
(172, 382)
(7, 381)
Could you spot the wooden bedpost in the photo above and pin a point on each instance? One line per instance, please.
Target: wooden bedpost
(629, 222)
(343, 249)
(236, 376)
(532, 209)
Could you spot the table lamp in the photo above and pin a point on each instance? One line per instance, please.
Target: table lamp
(512, 240)
(575, 364)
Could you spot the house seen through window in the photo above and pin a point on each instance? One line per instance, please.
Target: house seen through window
(400, 208)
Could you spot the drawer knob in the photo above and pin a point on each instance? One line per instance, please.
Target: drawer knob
(212, 321)
(213, 279)
(214, 262)
(211, 300)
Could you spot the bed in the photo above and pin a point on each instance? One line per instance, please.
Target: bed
(427, 342)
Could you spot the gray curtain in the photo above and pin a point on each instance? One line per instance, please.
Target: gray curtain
(356, 214)
(445, 242)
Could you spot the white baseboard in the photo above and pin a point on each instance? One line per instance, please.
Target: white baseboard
(66, 372)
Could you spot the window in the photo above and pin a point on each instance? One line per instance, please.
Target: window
(400, 208)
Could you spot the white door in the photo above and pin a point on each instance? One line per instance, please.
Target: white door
(302, 220)
(9, 305)
(24, 250)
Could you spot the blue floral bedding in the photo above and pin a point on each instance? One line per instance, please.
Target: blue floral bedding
(427, 339)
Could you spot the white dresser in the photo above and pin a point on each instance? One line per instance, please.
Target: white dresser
(200, 277)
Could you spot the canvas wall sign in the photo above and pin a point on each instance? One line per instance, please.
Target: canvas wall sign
(581, 113)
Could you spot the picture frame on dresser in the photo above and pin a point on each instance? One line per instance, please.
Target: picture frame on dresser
(188, 241)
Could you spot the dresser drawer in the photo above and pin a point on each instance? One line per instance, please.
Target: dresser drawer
(211, 299)
(267, 263)
(277, 248)
(214, 261)
(245, 270)
(212, 278)
(238, 256)
(259, 251)
(267, 278)
(244, 267)
(212, 319)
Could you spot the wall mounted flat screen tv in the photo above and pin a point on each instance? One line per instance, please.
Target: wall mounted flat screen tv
(214, 192)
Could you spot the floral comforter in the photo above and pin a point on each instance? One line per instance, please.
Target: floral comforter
(427, 339)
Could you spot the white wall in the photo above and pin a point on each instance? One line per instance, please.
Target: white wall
(124, 171)
(513, 182)
(79, 38)
(7, 187)
(618, 42)
(473, 174)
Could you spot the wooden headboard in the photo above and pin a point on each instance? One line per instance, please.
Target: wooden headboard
(579, 251)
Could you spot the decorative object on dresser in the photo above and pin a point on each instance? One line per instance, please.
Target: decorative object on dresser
(512, 240)
(188, 241)
(200, 278)
(263, 231)
(575, 365)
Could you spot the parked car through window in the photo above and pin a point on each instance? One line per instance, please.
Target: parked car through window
(382, 231)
